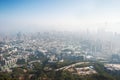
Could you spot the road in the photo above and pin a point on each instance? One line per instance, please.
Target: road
(72, 65)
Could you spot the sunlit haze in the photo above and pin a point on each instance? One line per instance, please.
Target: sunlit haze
(65, 15)
(59, 39)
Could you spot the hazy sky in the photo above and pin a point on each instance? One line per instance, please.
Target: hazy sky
(71, 15)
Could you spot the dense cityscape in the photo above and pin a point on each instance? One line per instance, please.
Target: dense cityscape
(52, 52)
(59, 39)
